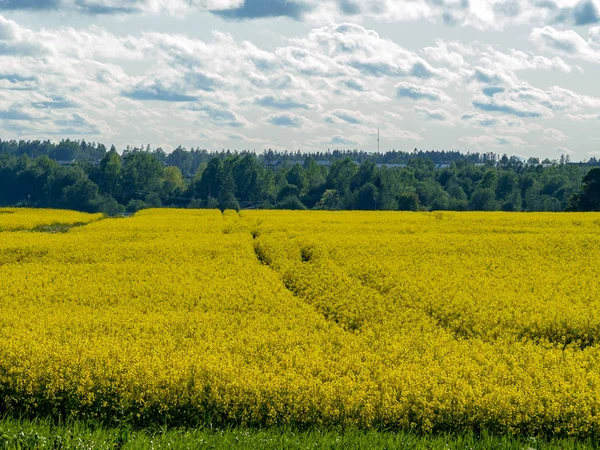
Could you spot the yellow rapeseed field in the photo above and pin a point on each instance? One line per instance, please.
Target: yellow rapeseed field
(425, 321)
(14, 219)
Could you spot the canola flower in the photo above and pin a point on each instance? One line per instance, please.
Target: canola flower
(15, 219)
(426, 321)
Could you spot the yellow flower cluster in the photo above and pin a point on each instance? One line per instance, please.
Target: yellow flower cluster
(432, 321)
(14, 219)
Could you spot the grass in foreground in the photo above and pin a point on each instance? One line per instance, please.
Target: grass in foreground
(43, 434)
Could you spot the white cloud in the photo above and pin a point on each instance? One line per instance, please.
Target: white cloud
(481, 143)
(500, 124)
(439, 115)
(286, 120)
(350, 49)
(552, 134)
(594, 36)
(583, 117)
(121, 7)
(526, 101)
(568, 43)
(482, 14)
(339, 140)
(402, 135)
(346, 116)
(219, 115)
(340, 80)
(448, 54)
(417, 92)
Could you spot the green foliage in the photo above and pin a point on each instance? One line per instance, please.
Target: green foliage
(82, 195)
(588, 198)
(107, 182)
(484, 199)
(142, 174)
(23, 434)
(291, 202)
(153, 200)
(110, 172)
(341, 175)
(297, 177)
(228, 201)
(173, 181)
(109, 206)
(408, 201)
(135, 205)
(289, 190)
(330, 200)
(366, 198)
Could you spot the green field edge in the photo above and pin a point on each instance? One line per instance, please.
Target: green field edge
(50, 228)
(46, 434)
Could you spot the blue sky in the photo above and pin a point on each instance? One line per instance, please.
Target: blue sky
(516, 77)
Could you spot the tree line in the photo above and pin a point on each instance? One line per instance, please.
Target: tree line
(89, 177)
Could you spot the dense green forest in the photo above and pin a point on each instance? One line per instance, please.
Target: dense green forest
(90, 177)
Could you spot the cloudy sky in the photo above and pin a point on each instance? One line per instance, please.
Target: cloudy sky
(511, 76)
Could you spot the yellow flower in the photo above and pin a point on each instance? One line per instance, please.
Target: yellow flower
(444, 321)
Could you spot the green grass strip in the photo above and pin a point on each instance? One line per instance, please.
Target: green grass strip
(43, 434)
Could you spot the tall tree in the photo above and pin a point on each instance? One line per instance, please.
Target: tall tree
(340, 175)
(366, 197)
(110, 172)
(588, 198)
(142, 175)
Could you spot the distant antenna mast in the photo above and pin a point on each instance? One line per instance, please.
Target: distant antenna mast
(377, 140)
